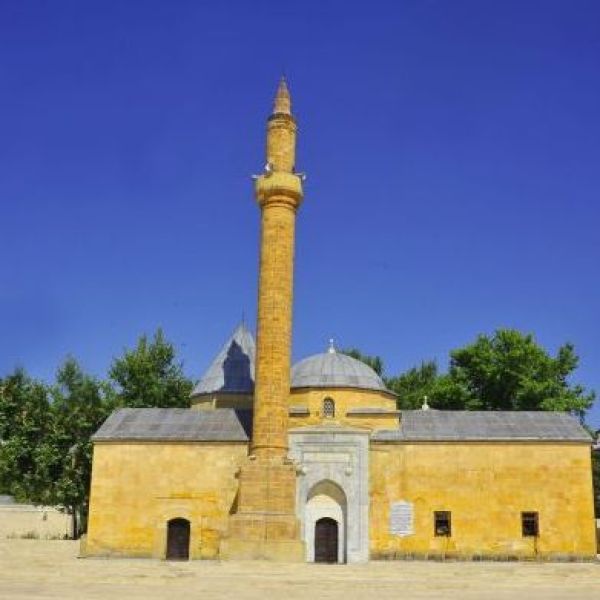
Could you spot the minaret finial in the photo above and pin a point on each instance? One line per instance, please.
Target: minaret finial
(283, 102)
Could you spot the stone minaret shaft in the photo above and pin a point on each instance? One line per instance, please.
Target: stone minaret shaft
(279, 193)
(264, 524)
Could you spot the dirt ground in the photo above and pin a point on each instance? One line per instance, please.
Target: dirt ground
(34, 569)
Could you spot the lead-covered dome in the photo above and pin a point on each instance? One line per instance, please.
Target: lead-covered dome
(333, 369)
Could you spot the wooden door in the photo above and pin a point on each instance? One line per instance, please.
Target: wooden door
(178, 539)
(326, 540)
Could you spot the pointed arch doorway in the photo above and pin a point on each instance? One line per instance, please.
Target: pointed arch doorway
(325, 523)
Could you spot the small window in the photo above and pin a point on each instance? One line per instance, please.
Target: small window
(530, 524)
(328, 408)
(442, 524)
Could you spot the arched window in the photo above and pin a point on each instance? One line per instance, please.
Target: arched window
(328, 408)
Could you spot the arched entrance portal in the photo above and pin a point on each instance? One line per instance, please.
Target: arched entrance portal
(326, 540)
(178, 539)
(333, 482)
(325, 523)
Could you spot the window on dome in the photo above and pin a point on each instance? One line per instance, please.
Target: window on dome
(328, 408)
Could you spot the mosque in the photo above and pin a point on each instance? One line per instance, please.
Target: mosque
(314, 462)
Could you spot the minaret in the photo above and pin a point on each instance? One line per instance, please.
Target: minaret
(279, 193)
(265, 523)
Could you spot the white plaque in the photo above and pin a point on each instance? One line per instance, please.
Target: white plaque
(401, 518)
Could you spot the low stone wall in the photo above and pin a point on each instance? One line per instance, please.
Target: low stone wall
(35, 522)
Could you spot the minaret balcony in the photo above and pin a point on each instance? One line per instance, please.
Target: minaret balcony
(279, 186)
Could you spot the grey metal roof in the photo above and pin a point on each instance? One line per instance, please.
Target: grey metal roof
(172, 424)
(232, 371)
(447, 425)
(334, 369)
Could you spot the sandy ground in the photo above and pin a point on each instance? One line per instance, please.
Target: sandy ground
(35, 569)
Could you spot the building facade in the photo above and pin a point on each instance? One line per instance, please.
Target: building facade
(314, 462)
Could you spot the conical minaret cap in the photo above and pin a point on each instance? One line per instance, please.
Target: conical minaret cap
(283, 101)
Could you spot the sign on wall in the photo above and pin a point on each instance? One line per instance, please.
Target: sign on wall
(402, 518)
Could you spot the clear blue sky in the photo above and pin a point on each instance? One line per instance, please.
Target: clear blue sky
(452, 152)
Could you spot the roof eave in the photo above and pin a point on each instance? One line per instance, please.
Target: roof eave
(404, 440)
(162, 440)
(331, 386)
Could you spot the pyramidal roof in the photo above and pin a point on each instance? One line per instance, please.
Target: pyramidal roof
(232, 371)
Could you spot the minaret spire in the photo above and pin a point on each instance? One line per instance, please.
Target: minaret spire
(281, 132)
(283, 100)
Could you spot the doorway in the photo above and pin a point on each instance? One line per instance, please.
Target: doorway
(325, 523)
(178, 539)
(326, 540)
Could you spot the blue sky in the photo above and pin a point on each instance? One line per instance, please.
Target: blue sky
(452, 152)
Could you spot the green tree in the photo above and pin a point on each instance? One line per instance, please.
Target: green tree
(24, 423)
(414, 385)
(510, 371)
(375, 362)
(80, 404)
(425, 381)
(150, 376)
(45, 447)
(507, 370)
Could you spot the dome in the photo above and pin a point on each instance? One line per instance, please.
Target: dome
(333, 369)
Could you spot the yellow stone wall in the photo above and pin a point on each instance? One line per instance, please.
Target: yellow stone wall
(138, 487)
(345, 399)
(486, 486)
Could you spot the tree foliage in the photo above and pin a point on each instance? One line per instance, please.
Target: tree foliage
(80, 404)
(45, 430)
(24, 424)
(149, 375)
(45, 454)
(507, 370)
(414, 385)
(510, 371)
(375, 362)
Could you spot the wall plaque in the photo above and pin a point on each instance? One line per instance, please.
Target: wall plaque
(402, 518)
